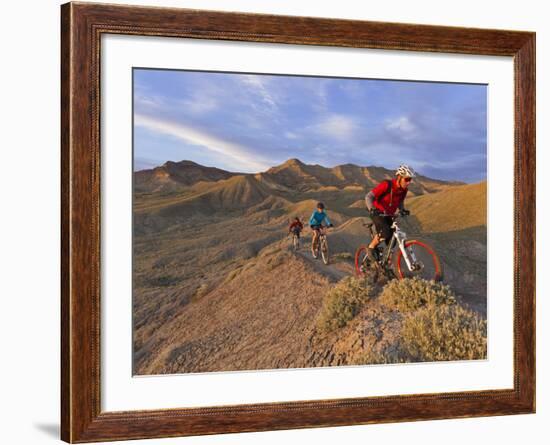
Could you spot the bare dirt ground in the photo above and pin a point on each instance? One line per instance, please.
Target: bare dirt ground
(261, 318)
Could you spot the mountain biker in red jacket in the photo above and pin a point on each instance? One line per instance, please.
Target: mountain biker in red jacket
(383, 202)
(296, 227)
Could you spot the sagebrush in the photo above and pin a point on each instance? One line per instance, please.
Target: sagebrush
(343, 302)
(444, 333)
(432, 326)
(411, 294)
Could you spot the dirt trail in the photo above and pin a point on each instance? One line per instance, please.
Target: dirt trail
(334, 271)
(338, 266)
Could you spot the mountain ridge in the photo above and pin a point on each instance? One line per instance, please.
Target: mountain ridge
(291, 175)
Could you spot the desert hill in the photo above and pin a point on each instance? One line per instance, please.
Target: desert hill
(172, 176)
(217, 288)
(456, 208)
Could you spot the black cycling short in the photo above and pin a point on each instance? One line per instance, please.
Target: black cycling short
(383, 226)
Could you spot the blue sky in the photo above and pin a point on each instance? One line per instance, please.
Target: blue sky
(248, 123)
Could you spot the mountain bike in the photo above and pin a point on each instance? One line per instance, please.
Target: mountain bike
(321, 245)
(401, 258)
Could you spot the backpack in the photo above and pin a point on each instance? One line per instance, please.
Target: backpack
(388, 190)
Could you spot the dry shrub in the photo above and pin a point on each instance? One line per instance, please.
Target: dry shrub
(276, 260)
(162, 281)
(201, 290)
(444, 333)
(233, 274)
(342, 256)
(411, 294)
(343, 302)
(384, 357)
(434, 327)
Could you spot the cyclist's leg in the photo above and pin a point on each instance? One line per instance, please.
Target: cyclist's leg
(383, 231)
(382, 225)
(374, 242)
(314, 236)
(387, 231)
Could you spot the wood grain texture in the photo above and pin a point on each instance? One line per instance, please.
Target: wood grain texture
(81, 28)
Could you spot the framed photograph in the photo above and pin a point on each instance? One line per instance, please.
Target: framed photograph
(274, 222)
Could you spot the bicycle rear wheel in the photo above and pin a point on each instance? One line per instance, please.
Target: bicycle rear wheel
(324, 250)
(426, 266)
(361, 261)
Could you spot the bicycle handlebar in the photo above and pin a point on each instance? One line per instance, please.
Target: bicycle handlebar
(394, 215)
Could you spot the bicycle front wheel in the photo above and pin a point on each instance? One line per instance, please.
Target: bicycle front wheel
(424, 262)
(315, 249)
(324, 250)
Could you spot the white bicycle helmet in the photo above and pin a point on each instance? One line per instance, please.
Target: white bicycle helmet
(405, 171)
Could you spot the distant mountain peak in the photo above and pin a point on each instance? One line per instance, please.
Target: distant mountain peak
(293, 161)
(182, 163)
(172, 176)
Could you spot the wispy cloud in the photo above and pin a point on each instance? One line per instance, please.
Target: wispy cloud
(290, 135)
(243, 157)
(401, 124)
(335, 126)
(200, 104)
(148, 101)
(258, 84)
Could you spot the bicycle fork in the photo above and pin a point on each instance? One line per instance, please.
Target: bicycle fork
(408, 254)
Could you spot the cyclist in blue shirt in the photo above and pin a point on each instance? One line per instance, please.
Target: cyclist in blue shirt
(318, 217)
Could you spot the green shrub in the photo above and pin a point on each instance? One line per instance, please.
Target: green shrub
(410, 294)
(343, 302)
(444, 333)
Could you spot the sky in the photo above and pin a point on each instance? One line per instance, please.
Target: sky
(250, 122)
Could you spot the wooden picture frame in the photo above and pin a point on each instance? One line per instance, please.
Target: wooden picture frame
(82, 25)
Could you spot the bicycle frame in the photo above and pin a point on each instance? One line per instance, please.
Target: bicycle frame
(399, 237)
(322, 233)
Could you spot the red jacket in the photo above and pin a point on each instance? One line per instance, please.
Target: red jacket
(295, 224)
(386, 200)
